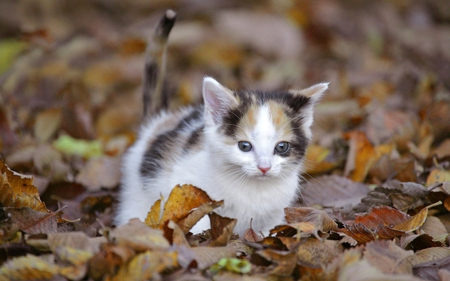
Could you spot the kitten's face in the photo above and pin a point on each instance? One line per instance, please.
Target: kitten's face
(261, 134)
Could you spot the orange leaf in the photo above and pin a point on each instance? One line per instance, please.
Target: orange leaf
(361, 157)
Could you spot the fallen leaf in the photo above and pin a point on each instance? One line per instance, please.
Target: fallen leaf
(438, 175)
(361, 157)
(18, 191)
(422, 256)
(198, 213)
(28, 268)
(100, 172)
(84, 148)
(333, 191)
(31, 221)
(285, 262)
(147, 265)
(231, 264)
(221, 229)
(138, 236)
(385, 255)
(182, 199)
(46, 124)
(321, 220)
(429, 270)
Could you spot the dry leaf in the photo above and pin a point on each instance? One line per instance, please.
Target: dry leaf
(182, 199)
(362, 155)
(422, 256)
(385, 255)
(221, 229)
(100, 172)
(18, 191)
(46, 124)
(138, 236)
(198, 213)
(28, 267)
(147, 266)
(285, 262)
(322, 220)
(31, 221)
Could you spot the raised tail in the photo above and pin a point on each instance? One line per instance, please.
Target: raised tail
(155, 65)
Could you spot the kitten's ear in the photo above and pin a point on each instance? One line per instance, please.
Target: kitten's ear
(314, 93)
(218, 99)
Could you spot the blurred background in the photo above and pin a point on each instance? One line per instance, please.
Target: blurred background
(70, 76)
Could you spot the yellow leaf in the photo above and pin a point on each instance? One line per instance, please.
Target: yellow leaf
(438, 175)
(182, 199)
(27, 268)
(144, 266)
(416, 221)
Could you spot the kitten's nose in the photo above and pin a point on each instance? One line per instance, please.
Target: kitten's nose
(264, 169)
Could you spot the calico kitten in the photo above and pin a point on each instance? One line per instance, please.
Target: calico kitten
(243, 147)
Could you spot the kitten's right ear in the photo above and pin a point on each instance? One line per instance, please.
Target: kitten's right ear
(218, 99)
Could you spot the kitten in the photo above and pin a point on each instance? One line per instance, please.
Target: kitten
(243, 147)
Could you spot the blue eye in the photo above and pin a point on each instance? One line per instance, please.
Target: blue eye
(245, 146)
(282, 147)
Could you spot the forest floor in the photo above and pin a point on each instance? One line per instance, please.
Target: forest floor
(376, 201)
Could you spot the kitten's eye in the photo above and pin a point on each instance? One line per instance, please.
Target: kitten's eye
(282, 147)
(245, 146)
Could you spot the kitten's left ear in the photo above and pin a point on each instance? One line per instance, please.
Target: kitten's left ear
(314, 93)
(218, 99)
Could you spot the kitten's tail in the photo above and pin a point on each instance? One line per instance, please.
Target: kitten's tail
(155, 65)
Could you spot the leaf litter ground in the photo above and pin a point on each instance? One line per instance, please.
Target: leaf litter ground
(375, 202)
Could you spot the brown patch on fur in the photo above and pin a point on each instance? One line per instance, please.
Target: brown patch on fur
(281, 121)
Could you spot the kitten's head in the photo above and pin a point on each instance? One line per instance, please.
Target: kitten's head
(262, 134)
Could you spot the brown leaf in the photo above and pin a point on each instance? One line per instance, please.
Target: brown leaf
(207, 256)
(31, 221)
(100, 172)
(18, 191)
(321, 220)
(435, 228)
(313, 251)
(251, 236)
(385, 255)
(418, 242)
(110, 257)
(422, 256)
(375, 224)
(221, 229)
(301, 229)
(187, 223)
(140, 237)
(429, 270)
(333, 191)
(285, 262)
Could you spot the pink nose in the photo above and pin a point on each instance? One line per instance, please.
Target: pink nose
(264, 169)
